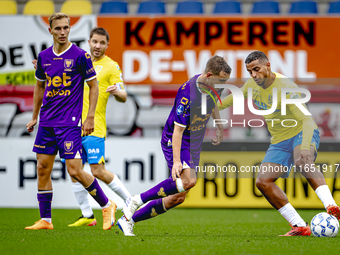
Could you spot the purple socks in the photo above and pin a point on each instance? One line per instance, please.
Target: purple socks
(45, 200)
(97, 193)
(151, 210)
(163, 189)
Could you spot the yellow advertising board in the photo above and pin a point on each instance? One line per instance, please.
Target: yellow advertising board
(227, 188)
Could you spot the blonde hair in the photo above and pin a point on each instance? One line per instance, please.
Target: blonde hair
(57, 15)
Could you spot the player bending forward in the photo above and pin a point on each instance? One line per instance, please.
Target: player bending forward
(181, 144)
(289, 145)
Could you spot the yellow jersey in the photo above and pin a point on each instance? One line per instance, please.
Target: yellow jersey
(263, 100)
(108, 73)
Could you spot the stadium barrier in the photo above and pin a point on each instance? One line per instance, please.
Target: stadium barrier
(141, 169)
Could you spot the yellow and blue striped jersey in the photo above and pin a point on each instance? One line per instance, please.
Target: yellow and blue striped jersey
(108, 73)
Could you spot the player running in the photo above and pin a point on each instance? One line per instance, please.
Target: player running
(110, 81)
(65, 67)
(289, 145)
(181, 144)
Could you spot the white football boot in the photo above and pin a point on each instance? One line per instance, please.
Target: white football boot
(132, 204)
(126, 226)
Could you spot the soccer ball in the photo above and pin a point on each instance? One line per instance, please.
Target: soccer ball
(324, 225)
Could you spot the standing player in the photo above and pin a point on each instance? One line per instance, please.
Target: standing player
(65, 67)
(181, 144)
(110, 81)
(296, 145)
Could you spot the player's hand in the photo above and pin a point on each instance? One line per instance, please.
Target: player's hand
(88, 126)
(35, 62)
(219, 137)
(176, 170)
(30, 125)
(305, 158)
(112, 90)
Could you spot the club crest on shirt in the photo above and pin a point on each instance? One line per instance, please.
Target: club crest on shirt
(68, 146)
(98, 68)
(180, 109)
(68, 64)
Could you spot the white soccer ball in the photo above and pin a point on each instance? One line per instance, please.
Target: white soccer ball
(324, 225)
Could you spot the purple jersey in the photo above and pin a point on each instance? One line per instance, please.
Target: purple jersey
(186, 112)
(65, 74)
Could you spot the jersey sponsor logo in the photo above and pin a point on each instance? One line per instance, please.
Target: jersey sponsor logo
(87, 55)
(91, 70)
(94, 150)
(68, 146)
(199, 119)
(180, 109)
(56, 81)
(68, 64)
(184, 101)
(47, 64)
(56, 92)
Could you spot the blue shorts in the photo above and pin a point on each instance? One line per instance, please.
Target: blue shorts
(66, 140)
(93, 149)
(189, 159)
(282, 153)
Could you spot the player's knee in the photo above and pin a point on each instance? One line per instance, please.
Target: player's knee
(98, 173)
(261, 183)
(42, 169)
(180, 200)
(73, 172)
(176, 200)
(189, 183)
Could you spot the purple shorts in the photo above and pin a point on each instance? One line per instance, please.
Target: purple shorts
(66, 140)
(189, 159)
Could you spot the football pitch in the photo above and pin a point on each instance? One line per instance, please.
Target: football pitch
(180, 231)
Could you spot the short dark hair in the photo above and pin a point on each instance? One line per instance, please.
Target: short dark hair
(216, 64)
(100, 31)
(256, 55)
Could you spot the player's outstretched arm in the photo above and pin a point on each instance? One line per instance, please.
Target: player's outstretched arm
(38, 95)
(219, 132)
(176, 151)
(88, 125)
(226, 102)
(120, 95)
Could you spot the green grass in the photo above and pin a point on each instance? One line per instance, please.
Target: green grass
(183, 231)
